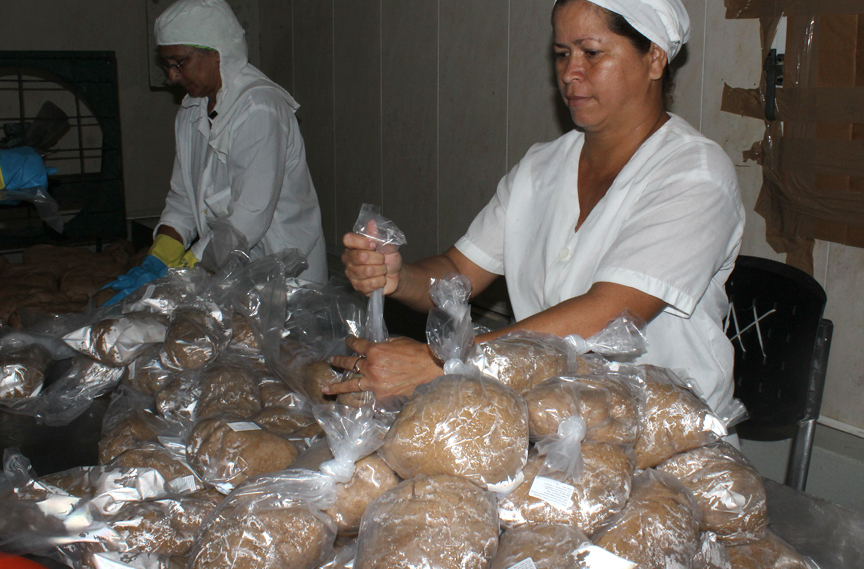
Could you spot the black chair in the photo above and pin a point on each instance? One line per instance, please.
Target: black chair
(781, 351)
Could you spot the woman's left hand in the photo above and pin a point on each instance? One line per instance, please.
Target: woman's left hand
(387, 368)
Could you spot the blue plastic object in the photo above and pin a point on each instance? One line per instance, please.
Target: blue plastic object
(150, 269)
(22, 168)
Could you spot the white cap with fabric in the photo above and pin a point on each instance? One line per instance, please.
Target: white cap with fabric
(664, 22)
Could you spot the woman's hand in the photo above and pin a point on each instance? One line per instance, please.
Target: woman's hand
(388, 368)
(366, 268)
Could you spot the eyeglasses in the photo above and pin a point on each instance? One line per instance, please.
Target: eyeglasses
(178, 67)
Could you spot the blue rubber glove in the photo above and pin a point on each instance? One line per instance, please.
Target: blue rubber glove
(150, 269)
(22, 168)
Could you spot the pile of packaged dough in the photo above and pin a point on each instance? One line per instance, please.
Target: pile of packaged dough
(221, 451)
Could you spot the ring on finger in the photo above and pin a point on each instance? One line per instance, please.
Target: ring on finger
(356, 368)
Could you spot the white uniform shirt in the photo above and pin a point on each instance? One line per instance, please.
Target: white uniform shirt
(258, 180)
(670, 226)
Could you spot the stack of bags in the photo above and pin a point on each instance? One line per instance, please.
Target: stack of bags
(220, 450)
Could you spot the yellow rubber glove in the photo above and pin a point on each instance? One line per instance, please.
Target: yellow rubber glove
(188, 260)
(168, 250)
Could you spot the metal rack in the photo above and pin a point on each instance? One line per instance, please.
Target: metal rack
(89, 185)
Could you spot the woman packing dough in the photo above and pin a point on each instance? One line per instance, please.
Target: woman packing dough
(634, 209)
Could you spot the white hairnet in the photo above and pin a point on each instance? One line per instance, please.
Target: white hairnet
(664, 22)
(206, 23)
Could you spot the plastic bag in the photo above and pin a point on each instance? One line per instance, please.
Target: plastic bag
(318, 315)
(727, 488)
(521, 359)
(388, 239)
(118, 341)
(71, 395)
(712, 554)
(147, 373)
(449, 330)
(547, 546)
(621, 338)
(675, 420)
(128, 422)
(462, 426)
(163, 295)
(585, 501)
(228, 386)
(197, 334)
(227, 449)
(770, 551)
(115, 560)
(352, 434)
(23, 369)
(563, 450)
(659, 527)
(46, 206)
(271, 522)
(611, 405)
(178, 400)
(225, 241)
(429, 523)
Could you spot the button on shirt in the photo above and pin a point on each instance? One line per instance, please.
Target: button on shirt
(670, 226)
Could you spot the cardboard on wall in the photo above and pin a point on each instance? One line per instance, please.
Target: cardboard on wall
(812, 156)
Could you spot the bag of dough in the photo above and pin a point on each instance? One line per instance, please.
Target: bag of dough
(435, 522)
(473, 427)
(228, 386)
(609, 403)
(548, 546)
(23, 369)
(166, 526)
(178, 400)
(123, 428)
(449, 330)
(768, 552)
(674, 420)
(227, 449)
(712, 554)
(272, 522)
(147, 373)
(71, 395)
(727, 488)
(116, 560)
(163, 295)
(659, 526)
(585, 501)
(197, 334)
(118, 341)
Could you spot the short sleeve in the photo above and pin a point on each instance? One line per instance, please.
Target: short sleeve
(483, 244)
(684, 227)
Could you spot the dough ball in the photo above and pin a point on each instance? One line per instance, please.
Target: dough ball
(157, 457)
(276, 393)
(608, 407)
(727, 488)
(100, 560)
(165, 526)
(599, 492)
(118, 341)
(476, 428)
(770, 552)
(281, 420)
(439, 522)
(178, 400)
(356, 400)
(548, 546)
(228, 388)
(194, 339)
(372, 477)
(76, 482)
(263, 538)
(316, 375)
(659, 526)
(519, 362)
(242, 335)
(23, 371)
(223, 451)
(129, 433)
(674, 420)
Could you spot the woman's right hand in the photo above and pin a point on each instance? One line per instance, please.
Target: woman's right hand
(366, 268)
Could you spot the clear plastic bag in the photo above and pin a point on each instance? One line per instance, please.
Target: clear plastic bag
(548, 546)
(352, 434)
(227, 449)
(23, 369)
(388, 238)
(318, 315)
(228, 386)
(521, 359)
(270, 522)
(161, 527)
(620, 339)
(118, 341)
(127, 422)
(178, 400)
(712, 554)
(449, 330)
(429, 523)
(67, 398)
(675, 419)
(768, 552)
(147, 373)
(45, 205)
(197, 334)
(163, 295)
(463, 426)
(116, 560)
(563, 450)
(585, 501)
(659, 526)
(728, 489)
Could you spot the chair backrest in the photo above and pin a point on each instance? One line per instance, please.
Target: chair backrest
(780, 350)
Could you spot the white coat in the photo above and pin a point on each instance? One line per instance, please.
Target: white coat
(670, 226)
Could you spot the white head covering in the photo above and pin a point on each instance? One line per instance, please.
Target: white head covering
(664, 22)
(212, 23)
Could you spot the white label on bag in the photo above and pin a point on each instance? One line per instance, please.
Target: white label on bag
(243, 426)
(556, 493)
(524, 564)
(149, 292)
(594, 557)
